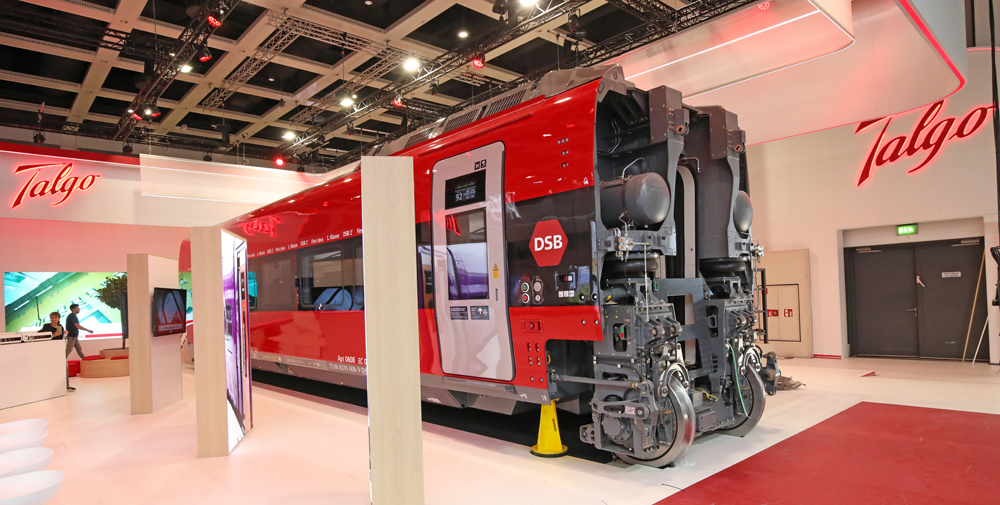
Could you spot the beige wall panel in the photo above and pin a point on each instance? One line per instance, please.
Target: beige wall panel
(154, 362)
(391, 331)
(790, 267)
(210, 353)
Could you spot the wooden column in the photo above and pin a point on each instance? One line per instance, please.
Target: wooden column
(391, 331)
(154, 362)
(210, 344)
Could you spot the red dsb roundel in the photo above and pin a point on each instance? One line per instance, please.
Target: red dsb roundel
(548, 243)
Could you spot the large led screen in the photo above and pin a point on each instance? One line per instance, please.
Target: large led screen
(29, 298)
(235, 287)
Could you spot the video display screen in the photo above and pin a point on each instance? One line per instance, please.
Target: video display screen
(169, 310)
(236, 296)
(468, 277)
(29, 298)
(465, 190)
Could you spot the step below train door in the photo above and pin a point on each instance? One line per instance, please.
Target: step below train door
(470, 264)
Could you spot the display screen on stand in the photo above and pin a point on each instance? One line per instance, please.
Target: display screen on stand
(29, 298)
(235, 288)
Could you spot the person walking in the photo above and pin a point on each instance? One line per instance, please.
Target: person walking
(58, 332)
(73, 328)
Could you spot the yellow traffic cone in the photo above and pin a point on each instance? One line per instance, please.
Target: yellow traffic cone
(549, 444)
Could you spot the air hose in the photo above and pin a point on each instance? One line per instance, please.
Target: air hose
(736, 377)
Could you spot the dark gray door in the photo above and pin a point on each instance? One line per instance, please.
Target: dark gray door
(883, 302)
(949, 274)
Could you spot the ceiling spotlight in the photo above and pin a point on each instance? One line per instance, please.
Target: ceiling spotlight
(215, 21)
(39, 138)
(528, 3)
(136, 116)
(206, 54)
(279, 160)
(463, 34)
(288, 136)
(152, 111)
(500, 7)
(131, 111)
(185, 68)
(411, 64)
(173, 54)
(207, 157)
(295, 158)
(126, 149)
(302, 168)
(479, 60)
(434, 88)
(398, 101)
(350, 129)
(354, 96)
(573, 23)
(270, 79)
(346, 102)
(368, 2)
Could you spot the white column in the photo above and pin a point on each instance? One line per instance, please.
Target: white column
(154, 362)
(391, 331)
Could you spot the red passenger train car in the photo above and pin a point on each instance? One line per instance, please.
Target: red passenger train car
(570, 248)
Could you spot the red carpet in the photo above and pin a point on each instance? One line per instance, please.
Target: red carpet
(872, 453)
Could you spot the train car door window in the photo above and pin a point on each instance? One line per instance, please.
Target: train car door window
(470, 264)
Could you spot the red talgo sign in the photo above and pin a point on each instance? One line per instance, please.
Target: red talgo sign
(548, 243)
(929, 135)
(62, 186)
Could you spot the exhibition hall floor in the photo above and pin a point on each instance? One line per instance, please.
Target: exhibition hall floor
(306, 450)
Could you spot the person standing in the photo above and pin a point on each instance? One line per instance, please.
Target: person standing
(73, 328)
(57, 332)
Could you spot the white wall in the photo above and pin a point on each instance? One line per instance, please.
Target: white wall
(806, 194)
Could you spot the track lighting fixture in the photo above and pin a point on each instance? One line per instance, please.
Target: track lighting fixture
(207, 157)
(434, 88)
(479, 60)
(39, 138)
(126, 149)
(206, 54)
(398, 101)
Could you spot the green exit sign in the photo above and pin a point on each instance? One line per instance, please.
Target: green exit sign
(906, 229)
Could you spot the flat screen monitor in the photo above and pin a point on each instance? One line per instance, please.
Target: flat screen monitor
(169, 310)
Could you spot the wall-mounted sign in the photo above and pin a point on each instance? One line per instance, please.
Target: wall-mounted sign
(929, 136)
(906, 229)
(62, 186)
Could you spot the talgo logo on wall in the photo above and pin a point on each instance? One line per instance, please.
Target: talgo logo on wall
(62, 186)
(928, 135)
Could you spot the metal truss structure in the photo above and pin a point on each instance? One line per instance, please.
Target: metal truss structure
(191, 40)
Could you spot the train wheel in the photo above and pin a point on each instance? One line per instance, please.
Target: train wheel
(753, 398)
(682, 421)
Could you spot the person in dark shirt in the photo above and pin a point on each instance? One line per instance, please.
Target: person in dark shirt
(58, 333)
(73, 331)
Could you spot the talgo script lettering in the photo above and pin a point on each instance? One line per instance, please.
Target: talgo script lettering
(63, 186)
(927, 135)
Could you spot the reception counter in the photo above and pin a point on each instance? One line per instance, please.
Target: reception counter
(31, 371)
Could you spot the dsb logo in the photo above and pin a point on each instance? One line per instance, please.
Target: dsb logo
(548, 243)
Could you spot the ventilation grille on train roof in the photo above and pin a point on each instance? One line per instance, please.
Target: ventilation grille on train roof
(462, 120)
(419, 137)
(505, 103)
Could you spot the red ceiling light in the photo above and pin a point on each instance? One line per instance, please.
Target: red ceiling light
(206, 54)
(280, 161)
(398, 101)
(214, 21)
(136, 116)
(479, 61)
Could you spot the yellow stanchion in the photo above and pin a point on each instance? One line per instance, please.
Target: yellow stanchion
(549, 443)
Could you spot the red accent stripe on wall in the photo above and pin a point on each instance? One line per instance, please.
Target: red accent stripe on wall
(827, 356)
(66, 153)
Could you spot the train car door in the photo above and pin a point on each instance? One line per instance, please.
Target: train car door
(469, 264)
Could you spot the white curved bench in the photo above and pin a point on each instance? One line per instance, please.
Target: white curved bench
(23, 440)
(33, 488)
(22, 425)
(21, 461)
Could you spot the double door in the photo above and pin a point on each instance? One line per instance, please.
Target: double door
(915, 300)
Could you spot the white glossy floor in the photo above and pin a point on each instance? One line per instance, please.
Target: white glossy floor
(304, 450)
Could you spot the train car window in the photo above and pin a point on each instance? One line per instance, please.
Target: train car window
(328, 281)
(359, 277)
(467, 258)
(465, 190)
(276, 287)
(252, 291)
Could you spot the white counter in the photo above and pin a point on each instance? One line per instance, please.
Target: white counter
(31, 372)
